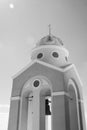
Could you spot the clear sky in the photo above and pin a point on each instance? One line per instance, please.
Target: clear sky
(24, 22)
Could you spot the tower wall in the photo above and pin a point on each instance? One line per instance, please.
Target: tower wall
(14, 115)
(58, 113)
(67, 109)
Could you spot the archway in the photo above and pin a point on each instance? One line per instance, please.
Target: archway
(32, 104)
(73, 106)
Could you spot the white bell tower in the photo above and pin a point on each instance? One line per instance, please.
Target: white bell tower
(48, 87)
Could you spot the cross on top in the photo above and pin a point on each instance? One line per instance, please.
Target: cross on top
(49, 29)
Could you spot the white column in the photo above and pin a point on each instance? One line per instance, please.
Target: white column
(30, 113)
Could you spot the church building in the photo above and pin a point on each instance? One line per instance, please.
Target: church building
(48, 87)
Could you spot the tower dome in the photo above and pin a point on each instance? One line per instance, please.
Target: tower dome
(50, 50)
(50, 40)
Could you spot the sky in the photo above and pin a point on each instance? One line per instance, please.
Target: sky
(23, 23)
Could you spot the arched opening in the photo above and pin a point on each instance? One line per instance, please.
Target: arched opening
(34, 108)
(48, 113)
(73, 106)
(80, 106)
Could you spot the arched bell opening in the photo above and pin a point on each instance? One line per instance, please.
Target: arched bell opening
(80, 106)
(34, 104)
(48, 113)
(46, 96)
(73, 106)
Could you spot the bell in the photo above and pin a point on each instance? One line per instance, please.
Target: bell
(47, 107)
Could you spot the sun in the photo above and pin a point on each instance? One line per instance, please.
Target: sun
(11, 5)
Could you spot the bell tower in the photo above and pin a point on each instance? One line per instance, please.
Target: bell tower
(48, 87)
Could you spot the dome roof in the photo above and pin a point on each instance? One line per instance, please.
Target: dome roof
(50, 40)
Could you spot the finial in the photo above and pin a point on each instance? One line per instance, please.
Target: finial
(49, 29)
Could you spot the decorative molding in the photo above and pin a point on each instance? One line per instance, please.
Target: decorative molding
(42, 63)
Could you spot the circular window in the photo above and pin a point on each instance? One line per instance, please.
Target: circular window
(40, 55)
(36, 83)
(55, 54)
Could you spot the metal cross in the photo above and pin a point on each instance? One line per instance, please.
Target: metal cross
(49, 29)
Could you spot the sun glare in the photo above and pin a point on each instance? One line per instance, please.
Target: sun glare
(11, 5)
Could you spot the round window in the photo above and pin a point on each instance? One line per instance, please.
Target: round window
(40, 55)
(36, 83)
(55, 54)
